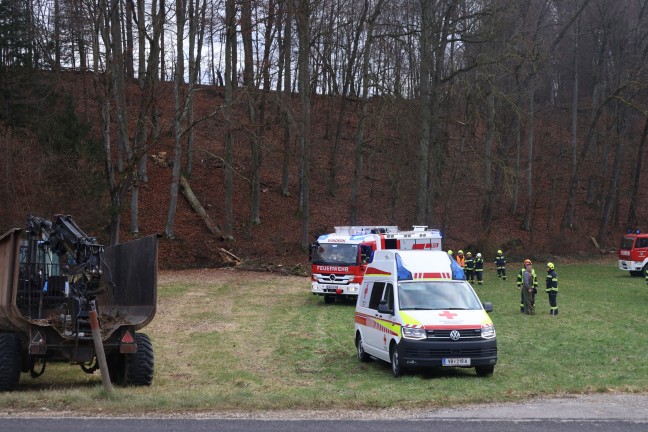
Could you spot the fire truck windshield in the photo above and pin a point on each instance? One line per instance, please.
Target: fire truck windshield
(332, 253)
(627, 242)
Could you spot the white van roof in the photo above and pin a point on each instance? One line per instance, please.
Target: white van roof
(411, 264)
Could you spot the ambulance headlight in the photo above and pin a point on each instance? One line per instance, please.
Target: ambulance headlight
(414, 333)
(488, 331)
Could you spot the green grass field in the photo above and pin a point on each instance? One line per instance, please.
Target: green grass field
(254, 341)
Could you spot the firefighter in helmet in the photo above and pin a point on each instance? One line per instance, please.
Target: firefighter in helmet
(479, 268)
(460, 259)
(469, 269)
(534, 283)
(552, 288)
(500, 263)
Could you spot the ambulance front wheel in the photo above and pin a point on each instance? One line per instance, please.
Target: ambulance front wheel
(362, 355)
(396, 367)
(484, 371)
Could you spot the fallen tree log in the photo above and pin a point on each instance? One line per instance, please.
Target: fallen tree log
(198, 208)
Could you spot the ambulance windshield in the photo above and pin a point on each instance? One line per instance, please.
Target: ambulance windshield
(433, 295)
(333, 253)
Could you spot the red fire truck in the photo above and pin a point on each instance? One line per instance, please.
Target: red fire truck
(633, 253)
(339, 259)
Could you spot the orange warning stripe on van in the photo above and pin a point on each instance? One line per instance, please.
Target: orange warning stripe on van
(373, 271)
(382, 325)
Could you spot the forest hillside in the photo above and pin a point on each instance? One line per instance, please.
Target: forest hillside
(45, 181)
(240, 130)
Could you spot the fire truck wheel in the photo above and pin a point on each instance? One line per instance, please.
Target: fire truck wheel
(10, 361)
(396, 367)
(328, 299)
(140, 365)
(362, 355)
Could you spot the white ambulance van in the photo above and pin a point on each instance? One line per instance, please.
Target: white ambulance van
(415, 312)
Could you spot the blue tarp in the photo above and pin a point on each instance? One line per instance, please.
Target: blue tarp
(457, 271)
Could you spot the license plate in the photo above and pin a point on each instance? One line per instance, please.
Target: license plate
(455, 361)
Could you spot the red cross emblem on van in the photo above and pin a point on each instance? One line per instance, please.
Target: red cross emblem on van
(448, 314)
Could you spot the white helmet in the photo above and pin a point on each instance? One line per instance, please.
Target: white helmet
(478, 255)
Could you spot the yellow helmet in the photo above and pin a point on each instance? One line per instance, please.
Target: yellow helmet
(499, 251)
(468, 253)
(550, 266)
(460, 252)
(449, 251)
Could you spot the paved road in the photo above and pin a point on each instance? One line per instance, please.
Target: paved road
(591, 413)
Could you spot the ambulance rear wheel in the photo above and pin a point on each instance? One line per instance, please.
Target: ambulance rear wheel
(396, 367)
(328, 299)
(362, 355)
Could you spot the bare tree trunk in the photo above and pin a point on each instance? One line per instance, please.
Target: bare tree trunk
(517, 130)
(287, 98)
(303, 15)
(119, 91)
(359, 143)
(348, 76)
(488, 162)
(573, 187)
(634, 193)
(251, 91)
(230, 43)
(426, 112)
(530, 140)
(179, 117)
(612, 193)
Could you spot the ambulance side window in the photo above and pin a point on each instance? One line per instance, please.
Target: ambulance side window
(376, 294)
(389, 296)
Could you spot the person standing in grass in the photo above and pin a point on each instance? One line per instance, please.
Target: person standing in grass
(552, 288)
(500, 263)
(469, 270)
(527, 301)
(479, 268)
(527, 288)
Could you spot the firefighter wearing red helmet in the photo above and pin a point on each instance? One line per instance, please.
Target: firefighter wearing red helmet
(527, 282)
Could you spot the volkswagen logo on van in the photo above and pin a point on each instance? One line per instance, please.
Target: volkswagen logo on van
(455, 335)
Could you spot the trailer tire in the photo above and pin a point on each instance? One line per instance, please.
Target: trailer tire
(117, 367)
(140, 365)
(10, 361)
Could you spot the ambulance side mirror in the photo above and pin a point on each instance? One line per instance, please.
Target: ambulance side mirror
(488, 307)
